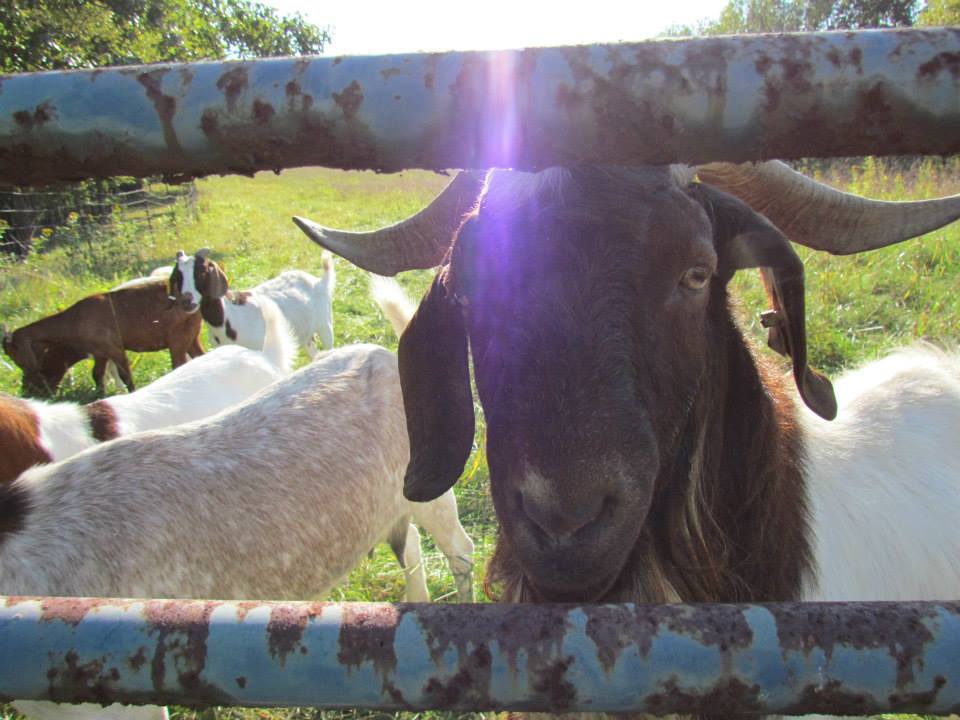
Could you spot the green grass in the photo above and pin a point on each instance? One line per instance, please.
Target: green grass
(857, 309)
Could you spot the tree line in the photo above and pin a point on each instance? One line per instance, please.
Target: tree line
(775, 16)
(67, 34)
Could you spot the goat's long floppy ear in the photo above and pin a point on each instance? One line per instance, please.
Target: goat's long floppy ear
(214, 282)
(746, 239)
(435, 377)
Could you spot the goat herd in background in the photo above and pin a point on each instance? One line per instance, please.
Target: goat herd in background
(639, 448)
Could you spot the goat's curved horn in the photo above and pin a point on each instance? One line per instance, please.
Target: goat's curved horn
(420, 241)
(202, 253)
(820, 217)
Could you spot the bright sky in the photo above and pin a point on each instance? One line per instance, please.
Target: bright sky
(372, 27)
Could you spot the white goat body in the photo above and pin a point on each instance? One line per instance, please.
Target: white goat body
(883, 481)
(196, 390)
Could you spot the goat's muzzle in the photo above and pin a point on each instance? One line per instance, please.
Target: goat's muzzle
(186, 302)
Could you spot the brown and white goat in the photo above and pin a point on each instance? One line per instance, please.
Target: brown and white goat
(639, 447)
(34, 431)
(140, 318)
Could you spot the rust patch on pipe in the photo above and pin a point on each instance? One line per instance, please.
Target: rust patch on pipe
(285, 629)
(551, 683)
(431, 65)
(856, 59)
(832, 698)
(725, 697)
(540, 638)
(349, 100)
(182, 628)
(262, 112)
(42, 114)
(233, 83)
(165, 105)
(366, 635)
(244, 608)
(613, 628)
(77, 680)
(73, 610)
(293, 91)
(138, 659)
(944, 61)
(469, 686)
(210, 123)
(901, 630)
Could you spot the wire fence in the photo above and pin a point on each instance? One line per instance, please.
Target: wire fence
(28, 216)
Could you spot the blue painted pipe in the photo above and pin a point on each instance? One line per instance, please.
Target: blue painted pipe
(791, 658)
(741, 98)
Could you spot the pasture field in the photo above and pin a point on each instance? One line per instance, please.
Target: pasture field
(857, 307)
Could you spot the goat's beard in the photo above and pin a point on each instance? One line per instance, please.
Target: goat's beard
(642, 579)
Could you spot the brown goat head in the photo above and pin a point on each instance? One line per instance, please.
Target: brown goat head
(593, 325)
(206, 280)
(594, 303)
(20, 349)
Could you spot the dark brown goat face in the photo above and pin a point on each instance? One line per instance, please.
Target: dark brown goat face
(594, 301)
(586, 315)
(589, 337)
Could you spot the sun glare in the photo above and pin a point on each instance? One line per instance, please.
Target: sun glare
(368, 27)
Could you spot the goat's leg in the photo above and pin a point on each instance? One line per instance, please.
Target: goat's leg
(99, 370)
(195, 349)
(178, 356)
(439, 518)
(311, 348)
(123, 368)
(404, 540)
(326, 335)
(113, 374)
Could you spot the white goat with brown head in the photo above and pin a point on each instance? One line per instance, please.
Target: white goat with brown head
(306, 301)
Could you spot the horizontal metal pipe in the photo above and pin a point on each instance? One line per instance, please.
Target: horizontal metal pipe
(791, 658)
(696, 100)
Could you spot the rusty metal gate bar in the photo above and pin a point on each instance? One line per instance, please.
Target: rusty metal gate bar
(792, 658)
(736, 98)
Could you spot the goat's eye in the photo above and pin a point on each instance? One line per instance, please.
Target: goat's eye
(696, 278)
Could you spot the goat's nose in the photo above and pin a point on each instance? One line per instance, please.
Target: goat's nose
(560, 517)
